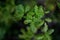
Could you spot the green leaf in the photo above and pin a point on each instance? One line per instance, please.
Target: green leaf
(45, 29)
(33, 28)
(50, 31)
(40, 24)
(19, 12)
(48, 20)
(2, 32)
(27, 21)
(39, 37)
(47, 12)
(36, 9)
(27, 8)
(58, 3)
(47, 37)
(41, 12)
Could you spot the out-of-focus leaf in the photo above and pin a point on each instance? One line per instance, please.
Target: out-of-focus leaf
(50, 5)
(19, 12)
(33, 28)
(47, 12)
(50, 31)
(39, 37)
(48, 20)
(40, 24)
(47, 37)
(2, 32)
(27, 8)
(40, 12)
(58, 3)
(36, 9)
(45, 28)
(27, 21)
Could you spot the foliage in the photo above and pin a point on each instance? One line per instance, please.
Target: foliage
(34, 16)
(5, 16)
(34, 19)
